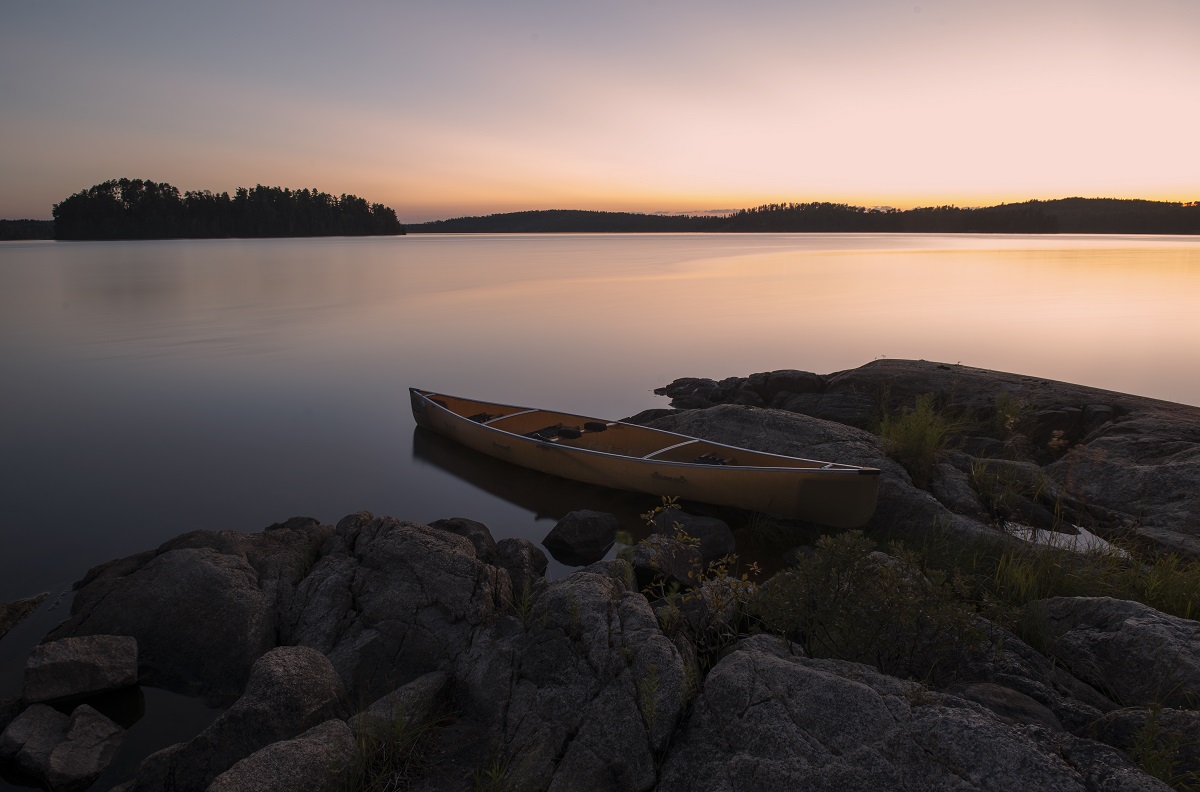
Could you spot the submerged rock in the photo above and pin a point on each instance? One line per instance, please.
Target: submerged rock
(582, 537)
(12, 613)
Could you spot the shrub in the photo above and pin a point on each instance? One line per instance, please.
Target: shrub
(849, 603)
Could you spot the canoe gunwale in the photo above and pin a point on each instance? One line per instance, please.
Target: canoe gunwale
(822, 467)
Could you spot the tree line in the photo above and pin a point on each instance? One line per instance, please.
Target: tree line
(26, 229)
(140, 209)
(1064, 216)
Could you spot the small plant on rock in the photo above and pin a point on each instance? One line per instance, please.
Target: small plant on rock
(706, 601)
(915, 437)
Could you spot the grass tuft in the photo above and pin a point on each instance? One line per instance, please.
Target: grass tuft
(915, 437)
(393, 758)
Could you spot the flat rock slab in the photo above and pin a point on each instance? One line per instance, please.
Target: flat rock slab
(80, 666)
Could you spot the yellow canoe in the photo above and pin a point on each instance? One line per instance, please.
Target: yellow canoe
(630, 457)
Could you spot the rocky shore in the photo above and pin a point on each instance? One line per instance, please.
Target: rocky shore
(381, 653)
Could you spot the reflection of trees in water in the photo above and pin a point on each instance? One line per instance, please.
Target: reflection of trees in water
(137, 209)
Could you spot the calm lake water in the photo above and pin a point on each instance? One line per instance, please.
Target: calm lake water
(150, 388)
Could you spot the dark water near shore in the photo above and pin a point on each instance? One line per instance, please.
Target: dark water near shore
(150, 388)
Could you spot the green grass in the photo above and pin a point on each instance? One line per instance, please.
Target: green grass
(916, 435)
(391, 759)
(1158, 753)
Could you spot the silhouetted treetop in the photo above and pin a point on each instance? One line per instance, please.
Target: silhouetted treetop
(139, 209)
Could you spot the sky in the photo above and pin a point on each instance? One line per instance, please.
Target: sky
(453, 108)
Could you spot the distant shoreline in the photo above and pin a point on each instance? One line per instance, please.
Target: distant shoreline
(1062, 216)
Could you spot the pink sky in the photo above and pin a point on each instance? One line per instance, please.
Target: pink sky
(443, 110)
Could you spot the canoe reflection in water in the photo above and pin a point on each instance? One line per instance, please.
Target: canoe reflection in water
(546, 496)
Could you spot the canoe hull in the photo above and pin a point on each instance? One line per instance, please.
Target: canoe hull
(843, 497)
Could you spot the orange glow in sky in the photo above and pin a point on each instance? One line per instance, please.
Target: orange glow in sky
(443, 110)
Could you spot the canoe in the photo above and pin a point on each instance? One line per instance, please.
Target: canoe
(626, 456)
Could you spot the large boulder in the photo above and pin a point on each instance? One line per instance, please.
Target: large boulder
(769, 720)
(66, 752)
(390, 600)
(88, 748)
(32, 736)
(584, 697)
(203, 606)
(1107, 458)
(582, 537)
(80, 666)
(1139, 655)
(291, 689)
(316, 761)
(199, 617)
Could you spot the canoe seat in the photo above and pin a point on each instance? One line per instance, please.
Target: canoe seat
(712, 459)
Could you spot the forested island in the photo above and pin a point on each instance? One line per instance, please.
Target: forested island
(140, 209)
(1064, 216)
